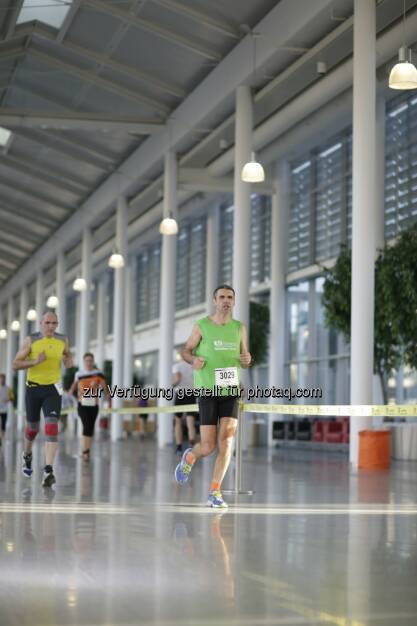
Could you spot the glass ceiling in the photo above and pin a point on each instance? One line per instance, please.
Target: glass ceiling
(50, 12)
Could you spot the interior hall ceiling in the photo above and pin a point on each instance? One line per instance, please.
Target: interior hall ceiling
(80, 98)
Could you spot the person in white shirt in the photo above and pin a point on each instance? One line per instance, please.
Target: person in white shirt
(6, 396)
(183, 384)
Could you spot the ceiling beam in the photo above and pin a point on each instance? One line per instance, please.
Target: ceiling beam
(61, 210)
(15, 225)
(69, 18)
(76, 121)
(104, 83)
(164, 33)
(57, 175)
(128, 70)
(7, 263)
(39, 30)
(200, 17)
(17, 242)
(18, 217)
(37, 173)
(11, 19)
(63, 146)
(13, 255)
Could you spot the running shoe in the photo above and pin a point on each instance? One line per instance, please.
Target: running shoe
(48, 479)
(178, 449)
(183, 469)
(27, 465)
(215, 500)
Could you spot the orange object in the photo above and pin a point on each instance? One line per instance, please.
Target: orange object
(374, 449)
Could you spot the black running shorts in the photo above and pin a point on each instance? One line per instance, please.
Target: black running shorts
(187, 399)
(212, 409)
(45, 397)
(88, 416)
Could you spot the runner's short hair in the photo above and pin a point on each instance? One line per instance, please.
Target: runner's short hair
(88, 354)
(223, 287)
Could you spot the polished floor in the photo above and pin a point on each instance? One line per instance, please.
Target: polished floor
(118, 542)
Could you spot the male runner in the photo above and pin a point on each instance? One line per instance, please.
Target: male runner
(41, 354)
(89, 381)
(217, 349)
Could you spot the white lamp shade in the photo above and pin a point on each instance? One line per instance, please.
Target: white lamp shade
(253, 172)
(116, 261)
(52, 302)
(168, 226)
(31, 315)
(3, 333)
(403, 76)
(79, 284)
(15, 326)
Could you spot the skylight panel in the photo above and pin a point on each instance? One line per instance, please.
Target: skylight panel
(52, 12)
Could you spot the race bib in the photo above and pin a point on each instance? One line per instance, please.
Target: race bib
(226, 377)
(58, 387)
(88, 402)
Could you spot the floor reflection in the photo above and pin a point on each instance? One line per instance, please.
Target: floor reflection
(118, 542)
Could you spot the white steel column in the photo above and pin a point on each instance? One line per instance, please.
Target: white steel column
(60, 291)
(167, 295)
(212, 255)
(128, 328)
(10, 342)
(101, 321)
(379, 223)
(3, 343)
(22, 373)
(85, 296)
(119, 295)
(39, 303)
(363, 215)
(278, 272)
(242, 191)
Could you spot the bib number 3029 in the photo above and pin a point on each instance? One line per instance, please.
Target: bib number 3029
(226, 376)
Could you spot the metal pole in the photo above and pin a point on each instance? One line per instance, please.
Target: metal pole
(238, 456)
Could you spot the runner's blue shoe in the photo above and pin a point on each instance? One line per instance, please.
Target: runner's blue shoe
(183, 469)
(215, 500)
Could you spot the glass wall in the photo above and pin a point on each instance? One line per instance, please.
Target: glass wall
(260, 241)
(148, 267)
(191, 264)
(316, 356)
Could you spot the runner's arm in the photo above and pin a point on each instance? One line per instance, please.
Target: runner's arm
(74, 386)
(191, 344)
(21, 361)
(245, 355)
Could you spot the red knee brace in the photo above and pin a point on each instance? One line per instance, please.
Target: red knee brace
(31, 431)
(51, 430)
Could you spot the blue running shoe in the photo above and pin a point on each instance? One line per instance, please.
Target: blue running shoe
(215, 500)
(183, 469)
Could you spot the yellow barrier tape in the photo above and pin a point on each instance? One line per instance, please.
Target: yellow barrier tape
(346, 410)
(323, 410)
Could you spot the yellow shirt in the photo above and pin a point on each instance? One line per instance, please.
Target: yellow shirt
(49, 371)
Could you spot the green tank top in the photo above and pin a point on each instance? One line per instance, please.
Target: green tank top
(220, 348)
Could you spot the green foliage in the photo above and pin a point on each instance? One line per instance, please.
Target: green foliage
(258, 332)
(395, 323)
(108, 371)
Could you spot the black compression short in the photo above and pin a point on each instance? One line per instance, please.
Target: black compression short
(88, 416)
(187, 399)
(212, 409)
(45, 397)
